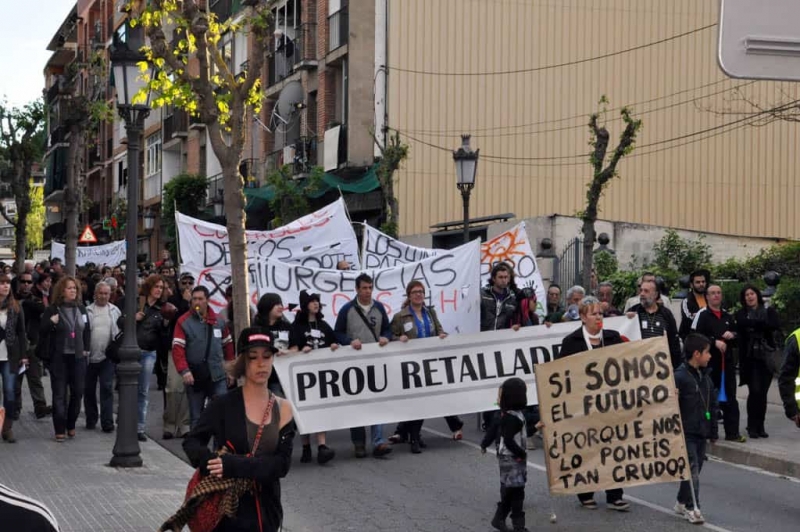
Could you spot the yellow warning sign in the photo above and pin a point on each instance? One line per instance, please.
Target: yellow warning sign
(87, 236)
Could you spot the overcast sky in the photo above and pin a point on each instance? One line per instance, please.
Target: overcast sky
(26, 27)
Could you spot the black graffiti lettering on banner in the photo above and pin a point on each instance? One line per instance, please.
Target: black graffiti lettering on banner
(439, 272)
(388, 248)
(326, 261)
(351, 381)
(217, 253)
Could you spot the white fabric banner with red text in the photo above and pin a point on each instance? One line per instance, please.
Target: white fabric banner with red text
(380, 250)
(320, 239)
(451, 279)
(427, 378)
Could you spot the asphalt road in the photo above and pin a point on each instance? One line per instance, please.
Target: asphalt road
(451, 486)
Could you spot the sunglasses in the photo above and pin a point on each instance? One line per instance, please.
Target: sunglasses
(26, 282)
(187, 281)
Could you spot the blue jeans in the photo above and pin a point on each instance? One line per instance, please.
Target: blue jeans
(358, 435)
(696, 449)
(197, 398)
(9, 380)
(102, 372)
(148, 362)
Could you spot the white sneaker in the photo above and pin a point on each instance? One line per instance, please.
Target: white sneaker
(531, 443)
(695, 517)
(680, 509)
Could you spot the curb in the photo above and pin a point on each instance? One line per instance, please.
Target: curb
(737, 454)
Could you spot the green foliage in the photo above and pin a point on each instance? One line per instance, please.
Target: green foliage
(390, 229)
(34, 226)
(787, 302)
(290, 201)
(605, 264)
(624, 283)
(187, 192)
(675, 253)
(392, 156)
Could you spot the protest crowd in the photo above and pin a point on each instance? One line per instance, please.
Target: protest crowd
(64, 326)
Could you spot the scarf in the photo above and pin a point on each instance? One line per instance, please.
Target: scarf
(589, 337)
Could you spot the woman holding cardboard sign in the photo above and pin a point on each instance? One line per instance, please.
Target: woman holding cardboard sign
(591, 335)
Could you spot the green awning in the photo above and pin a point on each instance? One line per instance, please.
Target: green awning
(366, 183)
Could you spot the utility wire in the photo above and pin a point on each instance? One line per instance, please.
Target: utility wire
(458, 131)
(557, 65)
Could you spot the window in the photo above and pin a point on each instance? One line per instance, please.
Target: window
(153, 163)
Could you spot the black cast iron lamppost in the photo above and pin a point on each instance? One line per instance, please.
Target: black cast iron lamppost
(133, 104)
(466, 169)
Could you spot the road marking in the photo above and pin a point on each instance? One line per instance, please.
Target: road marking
(636, 500)
(753, 469)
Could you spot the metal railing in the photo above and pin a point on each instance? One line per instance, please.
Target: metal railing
(288, 53)
(214, 188)
(251, 172)
(338, 29)
(303, 157)
(174, 124)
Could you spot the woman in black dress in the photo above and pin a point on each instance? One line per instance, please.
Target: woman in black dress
(591, 335)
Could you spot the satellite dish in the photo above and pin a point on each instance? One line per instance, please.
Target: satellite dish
(285, 114)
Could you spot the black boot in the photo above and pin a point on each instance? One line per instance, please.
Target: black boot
(306, 458)
(324, 454)
(519, 523)
(499, 519)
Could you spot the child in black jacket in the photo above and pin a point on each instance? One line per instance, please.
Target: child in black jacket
(508, 433)
(698, 404)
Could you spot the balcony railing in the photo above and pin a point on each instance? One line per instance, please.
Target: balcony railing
(214, 189)
(301, 156)
(224, 9)
(175, 125)
(251, 172)
(290, 53)
(152, 186)
(338, 29)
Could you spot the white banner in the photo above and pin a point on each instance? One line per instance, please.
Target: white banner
(106, 255)
(451, 279)
(425, 378)
(513, 246)
(320, 239)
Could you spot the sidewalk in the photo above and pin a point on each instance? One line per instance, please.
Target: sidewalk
(779, 454)
(74, 480)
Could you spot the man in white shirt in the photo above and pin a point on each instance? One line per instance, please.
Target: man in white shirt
(103, 318)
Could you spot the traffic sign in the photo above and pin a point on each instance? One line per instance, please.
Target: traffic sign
(87, 237)
(760, 40)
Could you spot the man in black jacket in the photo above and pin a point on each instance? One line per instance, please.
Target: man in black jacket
(719, 326)
(789, 378)
(657, 320)
(695, 301)
(698, 404)
(32, 308)
(498, 303)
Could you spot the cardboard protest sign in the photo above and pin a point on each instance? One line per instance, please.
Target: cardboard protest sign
(320, 240)
(424, 378)
(451, 280)
(107, 254)
(513, 246)
(611, 418)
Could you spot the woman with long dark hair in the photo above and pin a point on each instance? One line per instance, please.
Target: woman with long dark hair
(13, 349)
(310, 332)
(756, 325)
(65, 340)
(255, 427)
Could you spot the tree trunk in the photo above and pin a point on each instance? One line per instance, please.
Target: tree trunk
(72, 196)
(588, 254)
(235, 219)
(20, 187)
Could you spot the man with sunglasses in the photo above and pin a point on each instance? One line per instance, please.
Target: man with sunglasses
(32, 308)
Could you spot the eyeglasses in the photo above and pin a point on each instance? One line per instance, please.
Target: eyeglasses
(417, 292)
(187, 281)
(25, 282)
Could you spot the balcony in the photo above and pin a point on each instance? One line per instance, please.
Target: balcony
(176, 125)
(152, 187)
(301, 156)
(338, 29)
(215, 189)
(56, 172)
(251, 172)
(94, 158)
(224, 9)
(292, 53)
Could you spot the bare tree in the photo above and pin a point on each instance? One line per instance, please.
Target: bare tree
(603, 171)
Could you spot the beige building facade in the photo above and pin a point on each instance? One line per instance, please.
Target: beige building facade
(523, 77)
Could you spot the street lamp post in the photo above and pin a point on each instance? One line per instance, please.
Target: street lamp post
(133, 109)
(466, 169)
